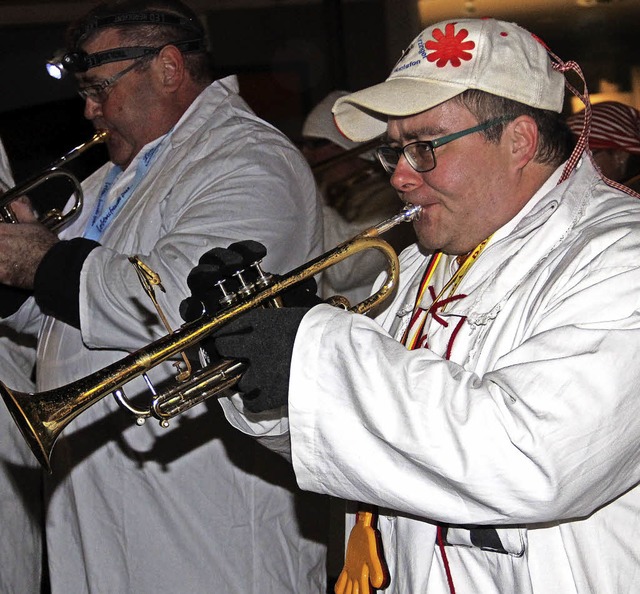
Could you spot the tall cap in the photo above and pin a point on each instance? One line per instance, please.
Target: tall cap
(445, 60)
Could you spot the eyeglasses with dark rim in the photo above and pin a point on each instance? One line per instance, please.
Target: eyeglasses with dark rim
(98, 92)
(420, 154)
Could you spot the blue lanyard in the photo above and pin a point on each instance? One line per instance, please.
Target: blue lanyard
(103, 214)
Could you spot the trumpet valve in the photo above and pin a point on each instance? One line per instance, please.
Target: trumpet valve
(264, 278)
(228, 297)
(245, 287)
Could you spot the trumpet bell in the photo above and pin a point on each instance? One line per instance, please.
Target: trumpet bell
(32, 416)
(54, 218)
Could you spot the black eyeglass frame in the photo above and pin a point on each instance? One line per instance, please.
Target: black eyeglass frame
(406, 150)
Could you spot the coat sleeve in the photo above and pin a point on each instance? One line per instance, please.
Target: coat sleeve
(550, 432)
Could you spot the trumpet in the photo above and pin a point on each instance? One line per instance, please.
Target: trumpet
(42, 416)
(54, 218)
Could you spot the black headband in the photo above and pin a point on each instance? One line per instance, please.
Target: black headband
(142, 18)
(80, 61)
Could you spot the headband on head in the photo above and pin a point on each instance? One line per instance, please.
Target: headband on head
(77, 60)
(80, 61)
(141, 18)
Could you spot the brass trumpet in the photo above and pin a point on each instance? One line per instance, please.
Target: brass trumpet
(42, 416)
(54, 218)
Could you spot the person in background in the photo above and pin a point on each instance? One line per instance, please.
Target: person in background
(356, 194)
(614, 140)
(191, 508)
(20, 479)
(489, 417)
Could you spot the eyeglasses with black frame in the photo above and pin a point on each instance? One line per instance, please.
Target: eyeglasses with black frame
(420, 154)
(98, 92)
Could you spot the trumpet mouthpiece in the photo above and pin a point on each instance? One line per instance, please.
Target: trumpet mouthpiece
(411, 212)
(408, 213)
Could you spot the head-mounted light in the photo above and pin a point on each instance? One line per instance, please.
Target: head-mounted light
(78, 61)
(61, 63)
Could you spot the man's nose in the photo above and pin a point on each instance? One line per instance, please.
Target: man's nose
(92, 108)
(404, 177)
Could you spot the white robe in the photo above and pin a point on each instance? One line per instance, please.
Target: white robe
(191, 508)
(531, 427)
(20, 479)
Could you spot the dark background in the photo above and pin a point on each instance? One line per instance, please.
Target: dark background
(282, 74)
(288, 56)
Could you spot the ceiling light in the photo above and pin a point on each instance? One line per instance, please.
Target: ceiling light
(591, 3)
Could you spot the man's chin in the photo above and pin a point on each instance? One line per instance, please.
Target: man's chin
(428, 244)
(119, 155)
(426, 235)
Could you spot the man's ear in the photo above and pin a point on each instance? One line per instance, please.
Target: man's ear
(523, 137)
(171, 70)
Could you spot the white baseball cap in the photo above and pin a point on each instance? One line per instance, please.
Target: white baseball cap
(445, 60)
(320, 123)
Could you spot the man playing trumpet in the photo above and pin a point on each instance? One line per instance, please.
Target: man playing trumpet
(192, 508)
(489, 417)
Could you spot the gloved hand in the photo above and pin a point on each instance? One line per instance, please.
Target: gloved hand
(263, 338)
(220, 274)
(212, 283)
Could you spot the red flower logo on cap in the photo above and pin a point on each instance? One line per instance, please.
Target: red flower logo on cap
(449, 46)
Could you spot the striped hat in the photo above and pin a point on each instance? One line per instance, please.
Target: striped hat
(613, 126)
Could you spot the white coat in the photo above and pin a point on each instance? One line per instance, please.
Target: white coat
(531, 427)
(192, 508)
(20, 479)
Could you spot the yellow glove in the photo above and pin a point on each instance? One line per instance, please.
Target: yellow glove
(364, 564)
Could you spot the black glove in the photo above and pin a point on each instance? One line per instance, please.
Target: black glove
(223, 273)
(263, 338)
(212, 283)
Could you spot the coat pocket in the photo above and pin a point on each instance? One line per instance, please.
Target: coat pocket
(508, 541)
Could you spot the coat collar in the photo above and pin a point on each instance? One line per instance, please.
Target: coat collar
(507, 261)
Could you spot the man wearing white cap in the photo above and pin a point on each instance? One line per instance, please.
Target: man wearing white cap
(490, 414)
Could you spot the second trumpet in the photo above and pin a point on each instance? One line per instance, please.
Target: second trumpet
(53, 218)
